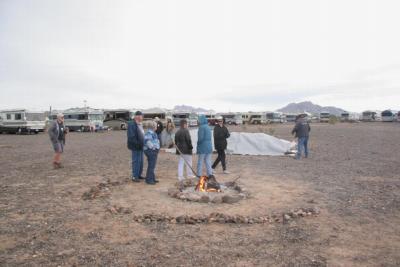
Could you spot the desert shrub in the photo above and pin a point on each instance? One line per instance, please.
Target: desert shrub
(333, 120)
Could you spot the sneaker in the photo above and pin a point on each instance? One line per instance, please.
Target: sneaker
(142, 178)
(156, 181)
(191, 177)
(135, 180)
(181, 178)
(226, 172)
(150, 183)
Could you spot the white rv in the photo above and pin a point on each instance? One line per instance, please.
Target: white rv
(162, 114)
(371, 115)
(84, 119)
(191, 118)
(254, 118)
(117, 119)
(22, 121)
(389, 115)
(349, 117)
(232, 118)
(275, 117)
(324, 116)
(290, 117)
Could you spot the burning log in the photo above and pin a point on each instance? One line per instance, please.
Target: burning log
(208, 184)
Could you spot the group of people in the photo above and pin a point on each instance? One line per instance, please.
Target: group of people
(144, 138)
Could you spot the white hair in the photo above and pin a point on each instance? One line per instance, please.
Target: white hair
(60, 115)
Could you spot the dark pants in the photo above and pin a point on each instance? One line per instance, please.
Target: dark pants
(137, 163)
(221, 158)
(151, 164)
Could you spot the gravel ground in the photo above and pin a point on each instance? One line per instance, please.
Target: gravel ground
(83, 214)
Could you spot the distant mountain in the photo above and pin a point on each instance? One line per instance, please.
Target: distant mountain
(191, 109)
(310, 107)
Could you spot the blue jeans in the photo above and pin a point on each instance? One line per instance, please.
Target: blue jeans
(137, 163)
(151, 156)
(207, 159)
(302, 142)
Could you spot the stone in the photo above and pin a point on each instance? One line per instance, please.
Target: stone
(216, 199)
(230, 199)
(173, 192)
(204, 199)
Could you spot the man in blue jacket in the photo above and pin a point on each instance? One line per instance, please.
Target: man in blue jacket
(204, 146)
(135, 144)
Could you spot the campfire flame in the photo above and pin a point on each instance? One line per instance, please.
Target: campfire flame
(202, 185)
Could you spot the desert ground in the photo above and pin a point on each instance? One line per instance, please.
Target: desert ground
(352, 177)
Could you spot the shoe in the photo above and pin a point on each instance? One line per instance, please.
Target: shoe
(150, 183)
(156, 181)
(135, 180)
(227, 172)
(142, 178)
(191, 177)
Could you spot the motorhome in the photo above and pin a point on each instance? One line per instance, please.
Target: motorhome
(371, 115)
(254, 118)
(349, 117)
(117, 119)
(275, 117)
(162, 114)
(190, 117)
(22, 121)
(324, 116)
(389, 115)
(211, 118)
(84, 119)
(290, 117)
(232, 118)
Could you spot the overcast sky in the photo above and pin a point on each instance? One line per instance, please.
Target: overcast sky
(224, 55)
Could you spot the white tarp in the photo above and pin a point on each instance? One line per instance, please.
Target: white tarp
(251, 144)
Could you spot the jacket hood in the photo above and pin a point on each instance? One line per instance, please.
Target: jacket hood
(203, 120)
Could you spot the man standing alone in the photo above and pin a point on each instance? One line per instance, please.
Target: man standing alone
(302, 133)
(57, 133)
(221, 133)
(135, 144)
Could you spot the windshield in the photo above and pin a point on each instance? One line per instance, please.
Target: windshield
(180, 116)
(387, 113)
(97, 117)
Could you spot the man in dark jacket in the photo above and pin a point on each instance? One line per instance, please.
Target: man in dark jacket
(135, 144)
(221, 133)
(302, 132)
(160, 128)
(184, 143)
(57, 132)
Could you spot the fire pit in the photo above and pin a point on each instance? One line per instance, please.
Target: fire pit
(208, 190)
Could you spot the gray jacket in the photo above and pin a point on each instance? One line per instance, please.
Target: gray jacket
(302, 129)
(54, 133)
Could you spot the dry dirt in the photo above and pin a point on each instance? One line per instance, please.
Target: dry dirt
(352, 176)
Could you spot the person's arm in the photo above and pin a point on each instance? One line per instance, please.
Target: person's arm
(294, 129)
(188, 140)
(309, 127)
(200, 136)
(227, 134)
(53, 132)
(148, 141)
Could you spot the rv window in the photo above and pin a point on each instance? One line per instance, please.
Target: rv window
(18, 116)
(8, 116)
(82, 117)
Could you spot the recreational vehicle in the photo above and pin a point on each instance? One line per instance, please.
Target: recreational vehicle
(117, 119)
(275, 117)
(324, 116)
(349, 117)
(254, 118)
(290, 117)
(22, 121)
(232, 118)
(190, 117)
(389, 116)
(84, 119)
(162, 114)
(370, 115)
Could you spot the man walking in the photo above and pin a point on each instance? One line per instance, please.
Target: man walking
(302, 132)
(221, 133)
(135, 144)
(57, 134)
(184, 143)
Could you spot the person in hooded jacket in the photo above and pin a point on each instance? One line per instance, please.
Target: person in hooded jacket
(204, 146)
(221, 133)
